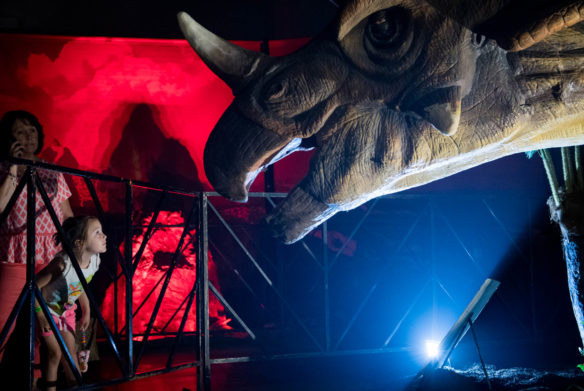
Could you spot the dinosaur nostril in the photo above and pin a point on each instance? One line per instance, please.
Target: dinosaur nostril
(276, 91)
(478, 40)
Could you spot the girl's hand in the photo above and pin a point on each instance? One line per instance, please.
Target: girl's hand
(85, 319)
(16, 149)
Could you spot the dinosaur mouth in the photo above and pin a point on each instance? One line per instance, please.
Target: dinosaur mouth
(238, 150)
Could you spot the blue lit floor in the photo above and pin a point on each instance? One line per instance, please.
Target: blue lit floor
(366, 372)
(372, 375)
(361, 372)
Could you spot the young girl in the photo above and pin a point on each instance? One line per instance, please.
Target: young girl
(61, 288)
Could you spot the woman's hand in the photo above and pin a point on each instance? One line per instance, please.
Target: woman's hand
(16, 149)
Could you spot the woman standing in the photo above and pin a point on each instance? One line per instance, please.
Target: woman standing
(21, 136)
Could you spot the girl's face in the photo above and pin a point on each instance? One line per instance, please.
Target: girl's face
(96, 239)
(27, 136)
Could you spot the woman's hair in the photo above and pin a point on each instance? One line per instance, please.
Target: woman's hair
(75, 228)
(6, 124)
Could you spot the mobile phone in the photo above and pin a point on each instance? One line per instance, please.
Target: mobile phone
(12, 141)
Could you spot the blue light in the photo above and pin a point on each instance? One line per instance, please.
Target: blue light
(432, 348)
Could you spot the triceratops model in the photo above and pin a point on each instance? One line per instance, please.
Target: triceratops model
(396, 94)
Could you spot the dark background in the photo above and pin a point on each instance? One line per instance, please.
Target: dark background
(231, 19)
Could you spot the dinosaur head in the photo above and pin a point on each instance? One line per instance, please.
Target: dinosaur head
(380, 98)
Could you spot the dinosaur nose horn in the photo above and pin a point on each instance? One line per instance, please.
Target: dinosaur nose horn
(232, 64)
(442, 109)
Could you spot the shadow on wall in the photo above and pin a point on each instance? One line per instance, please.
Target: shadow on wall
(145, 154)
(56, 153)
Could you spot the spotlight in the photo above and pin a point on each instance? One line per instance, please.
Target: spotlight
(432, 348)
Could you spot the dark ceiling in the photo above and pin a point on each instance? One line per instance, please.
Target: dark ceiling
(231, 19)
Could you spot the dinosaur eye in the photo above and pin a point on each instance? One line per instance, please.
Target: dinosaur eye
(391, 37)
(389, 28)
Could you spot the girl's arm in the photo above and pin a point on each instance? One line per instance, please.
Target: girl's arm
(43, 278)
(53, 269)
(85, 311)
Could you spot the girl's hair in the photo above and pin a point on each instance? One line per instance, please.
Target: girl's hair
(6, 124)
(75, 228)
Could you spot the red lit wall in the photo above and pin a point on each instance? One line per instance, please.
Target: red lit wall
(123, 106)
(137, 108)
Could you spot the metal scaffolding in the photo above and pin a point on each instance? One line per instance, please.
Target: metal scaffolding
(262, 300)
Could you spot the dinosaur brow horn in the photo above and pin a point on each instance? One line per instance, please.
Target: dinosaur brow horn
(231, 63)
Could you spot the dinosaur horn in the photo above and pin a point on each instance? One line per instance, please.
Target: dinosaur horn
(233, 64)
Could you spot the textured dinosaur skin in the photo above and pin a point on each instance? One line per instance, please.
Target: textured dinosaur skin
(395, 95)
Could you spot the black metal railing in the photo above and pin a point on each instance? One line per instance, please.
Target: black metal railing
(258, 268)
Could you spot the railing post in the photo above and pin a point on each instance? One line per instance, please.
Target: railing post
(30, 265)
(204, 368)
(129, 279)
(325, 267)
